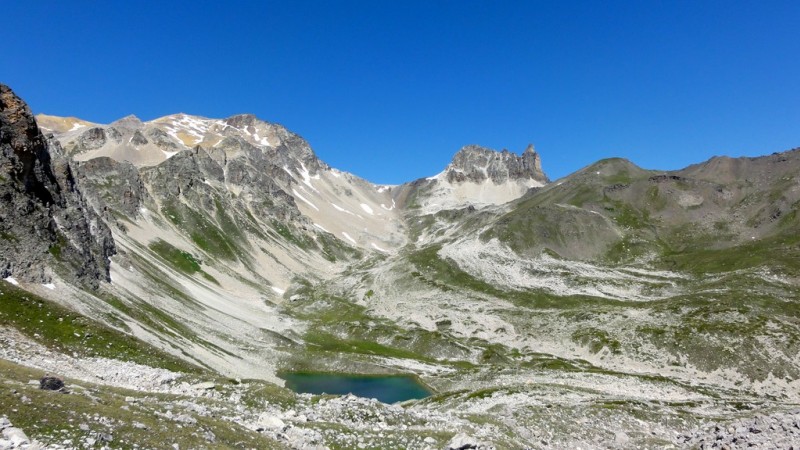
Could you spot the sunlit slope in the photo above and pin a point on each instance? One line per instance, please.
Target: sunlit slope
(614, 268)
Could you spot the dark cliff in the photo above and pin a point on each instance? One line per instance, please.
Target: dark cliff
(46, 226)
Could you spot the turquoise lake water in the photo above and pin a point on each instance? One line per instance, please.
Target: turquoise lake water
(388, 389)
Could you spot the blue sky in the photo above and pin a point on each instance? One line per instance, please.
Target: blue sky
(391, 90)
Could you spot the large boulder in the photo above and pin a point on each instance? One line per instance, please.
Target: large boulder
(51, 384)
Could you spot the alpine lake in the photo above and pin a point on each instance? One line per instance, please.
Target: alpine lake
(384, 388)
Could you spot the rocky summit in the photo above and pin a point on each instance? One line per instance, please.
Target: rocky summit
(169, 272)
(478, 164)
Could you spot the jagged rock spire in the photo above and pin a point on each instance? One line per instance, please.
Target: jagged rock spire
(476, 163)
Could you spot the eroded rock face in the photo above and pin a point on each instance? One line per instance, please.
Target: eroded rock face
(92, 138)
(112, 184)
(186, 177)
(477, 164)
(45, 222)
(475, 178)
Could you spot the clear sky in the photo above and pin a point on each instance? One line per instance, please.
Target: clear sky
(391, 90)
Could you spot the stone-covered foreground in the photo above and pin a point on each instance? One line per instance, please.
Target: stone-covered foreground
(12, 437)
(776, 431)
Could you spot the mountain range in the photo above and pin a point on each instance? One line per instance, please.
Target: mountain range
(616, 307)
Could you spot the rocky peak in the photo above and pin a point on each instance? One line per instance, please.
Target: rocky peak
(477, 164)
(129, 122)
(242, 120)
(138, 138)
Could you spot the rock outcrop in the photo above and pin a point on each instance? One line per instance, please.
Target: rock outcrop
(112, 187)
(46, 225)
(477, 164)
(475, 178)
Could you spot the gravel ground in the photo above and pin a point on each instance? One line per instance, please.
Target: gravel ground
(774, 431)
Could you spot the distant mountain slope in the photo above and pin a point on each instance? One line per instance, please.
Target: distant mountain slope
(248, 153)
(615, 211)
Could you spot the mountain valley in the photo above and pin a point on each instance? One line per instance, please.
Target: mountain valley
(172, 270)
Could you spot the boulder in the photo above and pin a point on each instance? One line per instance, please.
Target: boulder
(267, 421)
(16, 436)
(51, 384)
(462, 441)
(206, 386)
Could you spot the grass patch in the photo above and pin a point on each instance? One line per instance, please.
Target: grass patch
(203, 232)
(583, 195)
(628, 216)
(339, 327)
(8, 237)
(331, 343)
(596, 339)
(54, 418)
(69, 332)
(179, 259)
(57, 247)
(446, 275)
(779, 253)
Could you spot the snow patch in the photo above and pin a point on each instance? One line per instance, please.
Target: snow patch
(50, 286)
(278, 290)
(340, 209)
(297, 194)
(367, 209)
(12, 281)
(344, 233)
(321, 227)
(438, 176)
(389, 209)
(307, 176)
(260, 140)
(169, 154)
(375, 246)
(190, 126)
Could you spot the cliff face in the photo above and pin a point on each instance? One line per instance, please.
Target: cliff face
(476, 177)
(477, 164)
(45, 223)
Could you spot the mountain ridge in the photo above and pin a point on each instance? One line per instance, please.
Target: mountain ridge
(529, 157)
